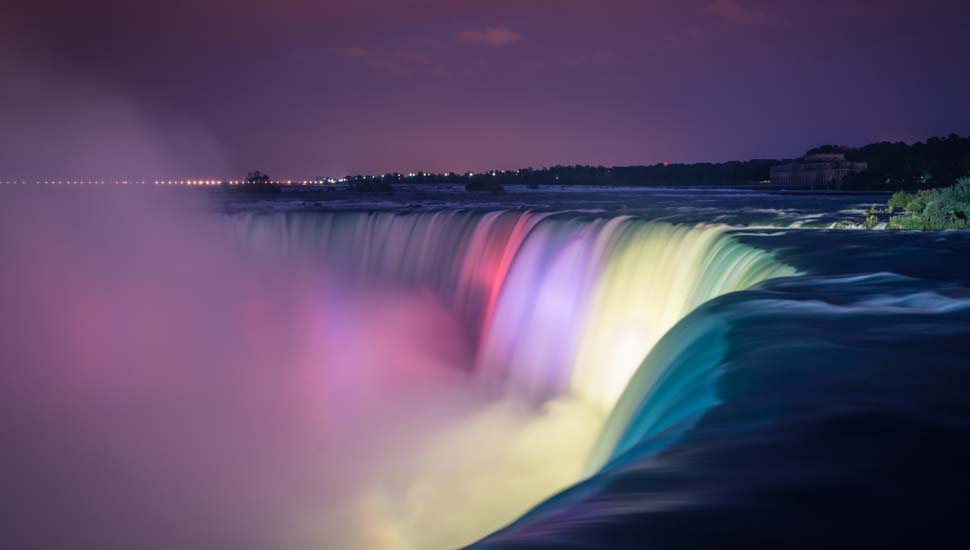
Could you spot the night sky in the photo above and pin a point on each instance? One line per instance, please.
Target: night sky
(299, 88)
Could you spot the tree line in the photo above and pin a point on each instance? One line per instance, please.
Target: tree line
(937, 162)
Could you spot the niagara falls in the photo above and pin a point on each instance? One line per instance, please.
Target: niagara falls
(383, 376)
(531, 275)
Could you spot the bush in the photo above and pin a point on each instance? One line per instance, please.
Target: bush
(957, 197)
(933, 216)
(935, 209)
(900, 200)
(918, 204)
(906, 222)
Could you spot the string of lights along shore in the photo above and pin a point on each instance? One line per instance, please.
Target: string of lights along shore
(210, 182)
(174, 182)
(192, 183)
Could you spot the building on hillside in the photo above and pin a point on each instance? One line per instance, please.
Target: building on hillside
(816, 170)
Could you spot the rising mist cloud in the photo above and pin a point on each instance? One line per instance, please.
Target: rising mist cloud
(167, 383)
(67, 125)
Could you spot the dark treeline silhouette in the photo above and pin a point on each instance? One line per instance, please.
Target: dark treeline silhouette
(938, 162)
(727, 173)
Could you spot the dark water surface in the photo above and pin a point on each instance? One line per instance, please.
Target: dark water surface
(772, 207)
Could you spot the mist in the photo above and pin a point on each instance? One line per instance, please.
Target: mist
(165, 386)
(64, 124)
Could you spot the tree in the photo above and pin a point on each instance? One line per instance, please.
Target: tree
(257, 178)
(258, 182)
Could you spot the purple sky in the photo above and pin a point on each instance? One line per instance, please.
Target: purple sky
(298, 88)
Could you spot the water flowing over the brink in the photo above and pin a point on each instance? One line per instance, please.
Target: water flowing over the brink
(554, 305)
(421, 379)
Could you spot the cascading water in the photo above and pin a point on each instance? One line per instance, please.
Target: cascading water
(585, 302)
(462, 257)
(561, 305)
(416, 381)
(557, 307)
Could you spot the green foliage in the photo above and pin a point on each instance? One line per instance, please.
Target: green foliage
(935, 209)
(918, 204)
(933, 216)
(960, 193)
(905, 222)
(871, 222)
(900, 200)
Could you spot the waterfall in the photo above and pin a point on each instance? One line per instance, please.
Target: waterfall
(585, 303)
(556, 304)
(460, 256)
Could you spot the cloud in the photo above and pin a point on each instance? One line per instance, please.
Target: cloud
(492, 36)
(733, 12)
